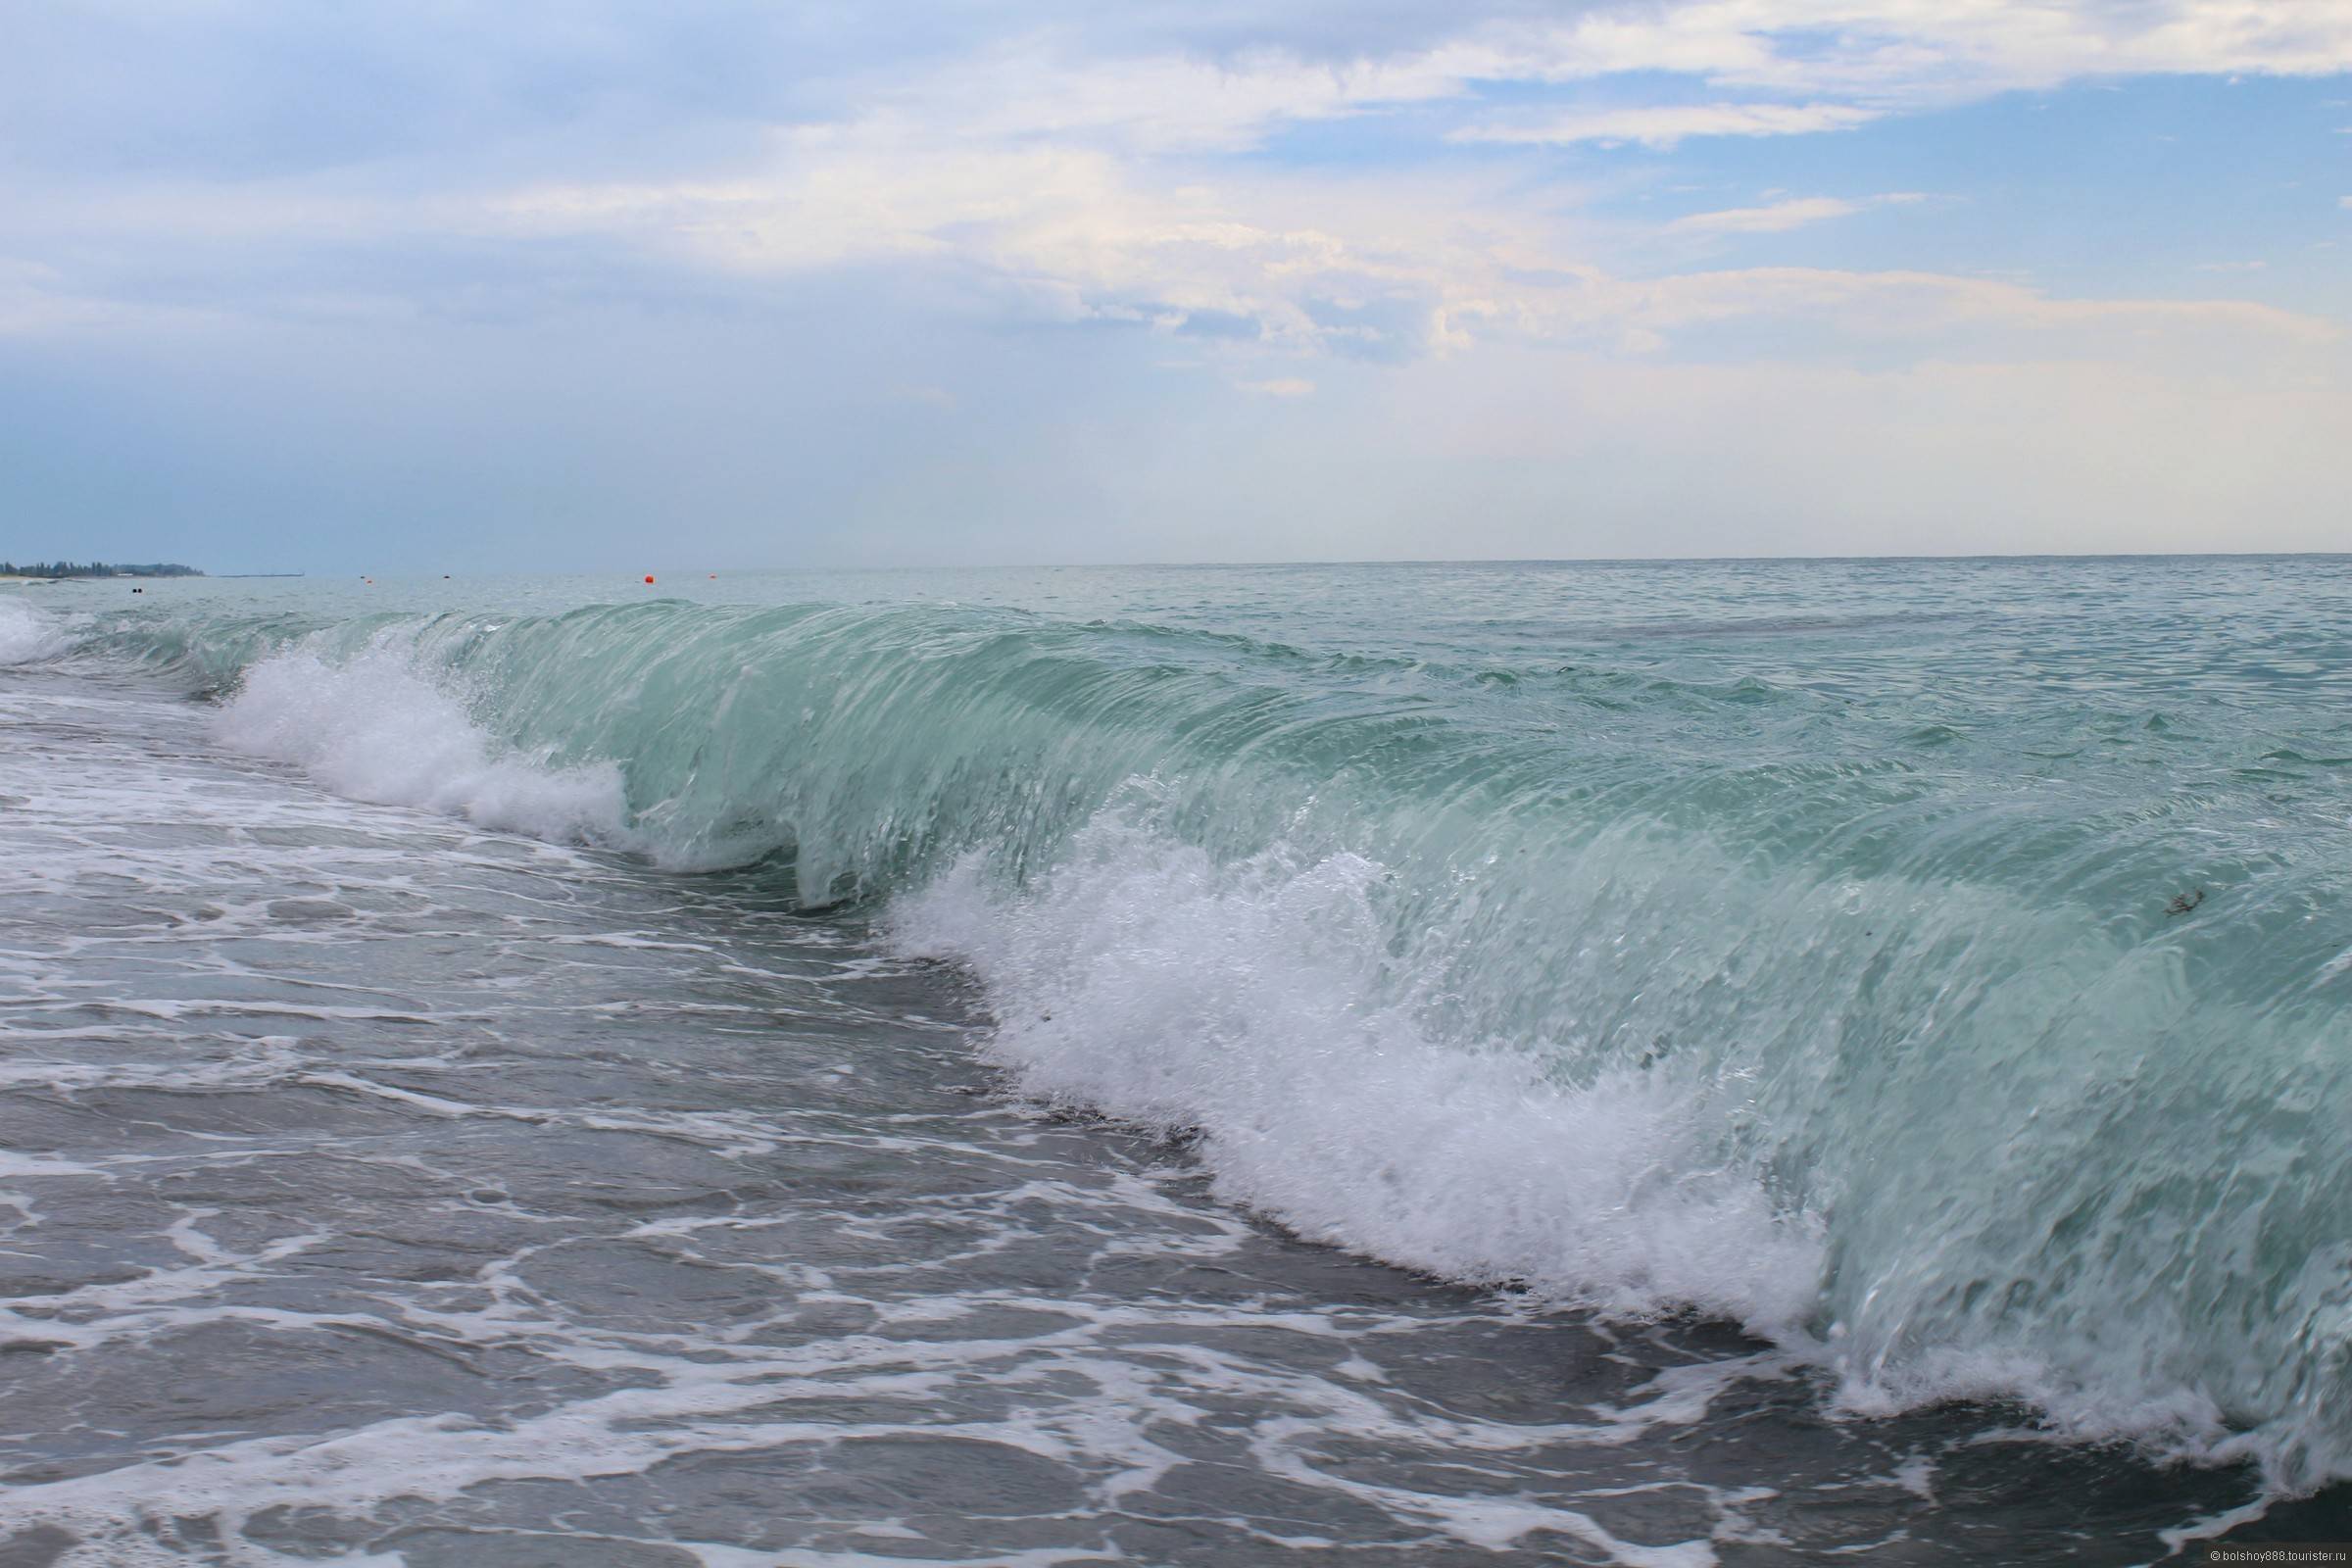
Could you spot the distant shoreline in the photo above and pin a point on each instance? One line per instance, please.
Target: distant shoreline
(53, 572)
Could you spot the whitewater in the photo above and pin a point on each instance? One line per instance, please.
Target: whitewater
(1895, 1016)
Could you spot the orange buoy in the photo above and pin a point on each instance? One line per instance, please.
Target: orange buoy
(649, 576)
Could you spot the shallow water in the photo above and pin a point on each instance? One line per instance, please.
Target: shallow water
(524, 1168)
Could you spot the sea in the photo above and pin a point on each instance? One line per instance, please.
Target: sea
(1411, 1065)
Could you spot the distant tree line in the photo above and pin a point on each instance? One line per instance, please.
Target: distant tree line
(96, 568)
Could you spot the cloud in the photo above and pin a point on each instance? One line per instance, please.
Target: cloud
(1919, 52)
(1040, 88)
(1063, 175)
(1926, 306)
(240, 87)
(1772, 218)
(1775, 217)
(733, 251)
(1769, 67)
(1663, 128)
(1385, 268)
(38, 301)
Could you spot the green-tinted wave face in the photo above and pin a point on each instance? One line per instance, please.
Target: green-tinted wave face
(1942, 966)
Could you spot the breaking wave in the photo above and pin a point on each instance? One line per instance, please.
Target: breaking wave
(375, 729)
(27, 635)
(1639, 994)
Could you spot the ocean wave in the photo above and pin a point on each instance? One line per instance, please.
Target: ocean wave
(1246, 1005)
(375, 729)
(29, 635)
(1666, 1002)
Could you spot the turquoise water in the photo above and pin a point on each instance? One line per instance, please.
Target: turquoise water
(1941, 970)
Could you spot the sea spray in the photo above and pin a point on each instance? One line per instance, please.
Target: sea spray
(27, 634)
(372, 728)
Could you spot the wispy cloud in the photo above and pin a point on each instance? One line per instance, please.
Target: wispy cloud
(1775, 217)
(1772, 218)
(1058, 184)
(38, 301)
(1076, 236)
(1666, 127)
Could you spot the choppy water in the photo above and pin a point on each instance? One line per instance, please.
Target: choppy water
(1852, 1059)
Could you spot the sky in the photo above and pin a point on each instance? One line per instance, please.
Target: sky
(432, 285)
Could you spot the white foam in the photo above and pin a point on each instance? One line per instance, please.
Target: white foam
(1249, 1002)
(27, 634)
(1269, 1007)
(377, 729)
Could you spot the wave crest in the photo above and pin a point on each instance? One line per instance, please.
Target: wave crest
(1247, 1005)
(28, 635)
(375, 729)
(1639, 993)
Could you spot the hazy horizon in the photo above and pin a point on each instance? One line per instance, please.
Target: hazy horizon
(629, 572)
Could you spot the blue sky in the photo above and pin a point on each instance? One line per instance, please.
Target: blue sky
(448, 286)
